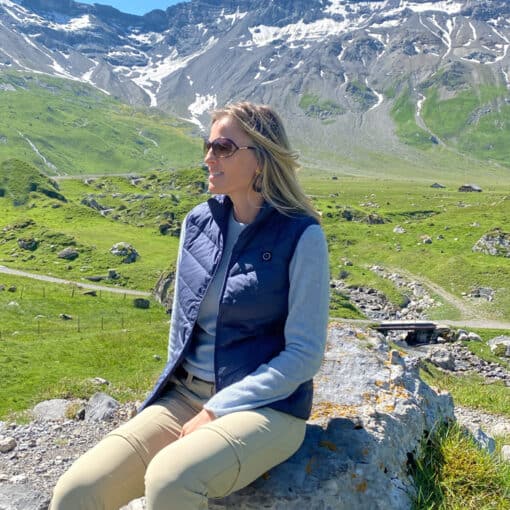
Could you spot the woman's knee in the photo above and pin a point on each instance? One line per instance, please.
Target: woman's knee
(73, 492)
(173, 482)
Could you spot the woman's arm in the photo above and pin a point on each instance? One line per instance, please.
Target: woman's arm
(305, 334)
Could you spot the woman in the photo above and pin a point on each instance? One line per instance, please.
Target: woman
(247, 335)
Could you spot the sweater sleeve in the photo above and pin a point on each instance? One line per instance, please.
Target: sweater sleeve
(305, 334)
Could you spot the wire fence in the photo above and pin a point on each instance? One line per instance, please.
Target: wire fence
(76, 310)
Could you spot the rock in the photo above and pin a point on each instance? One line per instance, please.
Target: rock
(425, 239)
(12, 288)
(501, 429)
(483, 441)
(443, 358)
(29, 243)
(113, 274)
(370, 413)
(22, 497)
(65, 317)
(68, 253)
(500, 345)
(505, 452)
(399, 230)
(163, 290)
(54, 409)
(100, 407)
(495, 242)
(141, 303)
(99, 381)
(473, 337)
(7, 444)
(126, 251)
(482, 292)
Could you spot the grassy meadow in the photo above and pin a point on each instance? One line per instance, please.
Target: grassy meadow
(44, 356)
(67, 127)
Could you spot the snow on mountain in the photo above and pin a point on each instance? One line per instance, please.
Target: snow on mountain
(197, 55)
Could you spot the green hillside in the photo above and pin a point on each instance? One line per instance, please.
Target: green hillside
(470, 120)
(66, 127)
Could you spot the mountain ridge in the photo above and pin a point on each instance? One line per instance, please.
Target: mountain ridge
(335, 69)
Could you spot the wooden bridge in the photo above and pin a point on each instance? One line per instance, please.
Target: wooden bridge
(418, 332)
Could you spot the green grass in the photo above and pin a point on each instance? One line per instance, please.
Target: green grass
(403, 113)
(470, 390)
(452, 473)
(138, 210)
(454, 221)
(475, 121)
(43, 356)
(79, 130)
(314, 106)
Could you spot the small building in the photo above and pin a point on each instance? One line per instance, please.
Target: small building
(470, 187)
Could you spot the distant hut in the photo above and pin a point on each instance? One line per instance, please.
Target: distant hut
(437, 185)
(470, 187)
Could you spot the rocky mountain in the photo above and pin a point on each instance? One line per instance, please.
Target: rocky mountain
(348, 75)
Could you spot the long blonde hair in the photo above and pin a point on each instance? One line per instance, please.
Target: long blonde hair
(277, 181)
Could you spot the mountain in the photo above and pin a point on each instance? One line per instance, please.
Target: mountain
(352, 78)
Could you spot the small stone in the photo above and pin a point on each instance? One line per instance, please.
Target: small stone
(505, 452)
(7, 444)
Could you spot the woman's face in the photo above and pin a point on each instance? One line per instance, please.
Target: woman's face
(234, 175)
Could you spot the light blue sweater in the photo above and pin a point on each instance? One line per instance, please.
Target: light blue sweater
(305, 329)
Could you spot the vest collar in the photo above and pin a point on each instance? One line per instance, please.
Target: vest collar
(221, 205)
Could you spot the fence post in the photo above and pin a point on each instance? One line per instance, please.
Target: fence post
(78, 324)
(22, 289)
(102, 323)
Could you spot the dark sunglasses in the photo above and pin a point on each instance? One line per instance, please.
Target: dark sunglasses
(223, 147)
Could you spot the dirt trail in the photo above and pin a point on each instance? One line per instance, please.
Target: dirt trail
(89, 286)
(470, 315)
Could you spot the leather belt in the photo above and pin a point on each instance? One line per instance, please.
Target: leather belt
(182, 373)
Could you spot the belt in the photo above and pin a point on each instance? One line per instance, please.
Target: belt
(182, 373)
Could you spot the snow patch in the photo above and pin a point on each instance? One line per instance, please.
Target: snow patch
(150, 77)
(201, 105)
(263, 35)
(147, 38)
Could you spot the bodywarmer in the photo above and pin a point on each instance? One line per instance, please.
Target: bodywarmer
(253, 303)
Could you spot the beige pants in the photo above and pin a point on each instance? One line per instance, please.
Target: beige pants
(145, 456)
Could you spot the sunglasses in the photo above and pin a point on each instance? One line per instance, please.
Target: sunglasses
(223, 147)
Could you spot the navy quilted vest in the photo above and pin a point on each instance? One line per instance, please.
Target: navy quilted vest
(254, 300)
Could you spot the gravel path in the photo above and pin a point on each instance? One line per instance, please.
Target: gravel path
(46, 278)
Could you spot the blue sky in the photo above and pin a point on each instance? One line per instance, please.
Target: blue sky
(135, 6)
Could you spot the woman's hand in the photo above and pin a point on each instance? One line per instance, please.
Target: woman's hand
(202, 418)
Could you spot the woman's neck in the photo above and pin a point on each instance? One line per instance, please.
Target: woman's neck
(246, 210)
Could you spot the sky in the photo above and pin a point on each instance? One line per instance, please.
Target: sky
(135, 6)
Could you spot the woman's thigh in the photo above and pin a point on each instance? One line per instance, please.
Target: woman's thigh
(225, 455)
(112, 472)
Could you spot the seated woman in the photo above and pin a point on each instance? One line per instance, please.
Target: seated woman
(247, 335)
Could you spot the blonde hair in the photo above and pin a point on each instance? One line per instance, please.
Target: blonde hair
(277, 181)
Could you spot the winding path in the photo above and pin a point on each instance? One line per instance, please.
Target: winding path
(90, 286)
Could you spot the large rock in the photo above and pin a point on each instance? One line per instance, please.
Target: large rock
(49, 410)
(500, 345)
(495, 242)
(370, 414)
(100, 407)
(126, 251)
(22, 497)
